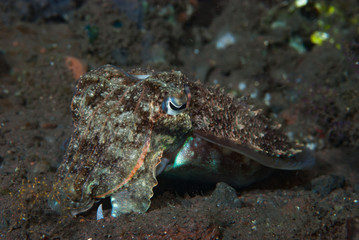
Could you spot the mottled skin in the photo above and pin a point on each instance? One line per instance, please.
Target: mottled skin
(121, 133)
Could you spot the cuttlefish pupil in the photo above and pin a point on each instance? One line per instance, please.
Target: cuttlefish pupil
(174, 105)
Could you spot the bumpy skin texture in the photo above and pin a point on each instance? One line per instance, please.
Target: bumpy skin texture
(121, 133)
(232, 123)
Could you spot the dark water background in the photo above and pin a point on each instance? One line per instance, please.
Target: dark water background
(298, 60)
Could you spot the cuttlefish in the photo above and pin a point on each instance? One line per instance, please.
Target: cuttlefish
(131, 126)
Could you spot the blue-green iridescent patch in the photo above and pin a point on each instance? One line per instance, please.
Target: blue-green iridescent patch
(183, 154)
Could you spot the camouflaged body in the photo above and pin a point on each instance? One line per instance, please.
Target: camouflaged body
(117, 120)
(121, 133)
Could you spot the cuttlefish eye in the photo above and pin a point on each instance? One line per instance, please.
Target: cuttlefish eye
(175, 105)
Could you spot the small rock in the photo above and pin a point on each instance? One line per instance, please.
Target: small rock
(356, 187)
(327, 183)
(225, 196)
(48, 125)
(4, 66)
(4, 220)
(352, 227)
(42, 166)
(30, 126)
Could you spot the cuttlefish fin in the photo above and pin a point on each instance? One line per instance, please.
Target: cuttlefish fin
(304, 159)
